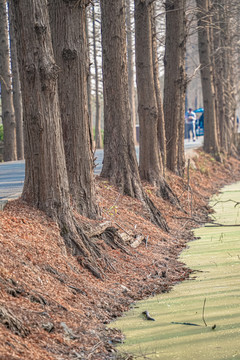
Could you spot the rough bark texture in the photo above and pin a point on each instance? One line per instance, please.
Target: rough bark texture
(46, 181)
(150, 162)
(17, 95)
(175, 83)
(8, 116)
(161, 121)
(210, 127)
(68, 25)
(131, 87)
(120, 162)
(98, 134)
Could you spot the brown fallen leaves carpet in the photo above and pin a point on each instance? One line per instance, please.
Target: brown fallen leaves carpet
(52, 308)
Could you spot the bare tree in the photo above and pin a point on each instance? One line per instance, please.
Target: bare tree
(120, 163)
(70, 49)
(130, 63)
(98, 134)
(16, 86)
(175, 84)
(46, 181)
(8, 115)
(210, 126)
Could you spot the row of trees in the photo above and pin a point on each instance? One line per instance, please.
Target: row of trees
(53, 60)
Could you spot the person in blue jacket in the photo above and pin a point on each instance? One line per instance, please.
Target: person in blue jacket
(190, 118)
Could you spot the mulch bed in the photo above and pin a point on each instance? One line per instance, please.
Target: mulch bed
(52, 308)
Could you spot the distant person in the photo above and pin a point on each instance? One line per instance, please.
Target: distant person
(190, 119)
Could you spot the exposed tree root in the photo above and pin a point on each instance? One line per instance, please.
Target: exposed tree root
(155, 215)
(88, 249)
(13, 323)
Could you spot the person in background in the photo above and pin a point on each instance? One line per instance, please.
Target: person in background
(190, 119)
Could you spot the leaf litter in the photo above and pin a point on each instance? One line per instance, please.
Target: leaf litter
(52, 308)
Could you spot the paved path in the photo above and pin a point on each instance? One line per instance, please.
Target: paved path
(12, 173)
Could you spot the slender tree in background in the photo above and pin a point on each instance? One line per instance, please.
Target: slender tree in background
(8, 116)
(175, 84)
(161, 121)
(210, 126)
(89, 82)
(150, 160)
(120, 163)
(68, 25)
(98, 134)
(46, 181)
(130, 66)
(17, 95)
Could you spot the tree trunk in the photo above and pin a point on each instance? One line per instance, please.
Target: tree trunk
(70, 49)
(89, 81)
(131, 87)
(150, 162)
(175, 84)
(98, 134)
(161, 121)
(17, 95)
(120, 162)
(8, 116)
(46, 181)
(210, 126)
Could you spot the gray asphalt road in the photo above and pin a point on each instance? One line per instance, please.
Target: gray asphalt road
(12, 173)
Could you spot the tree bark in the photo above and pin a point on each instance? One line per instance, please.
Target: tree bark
(131, 87)
(175, 84)
(98, 134)
(210, 126)
(68, 25)
(8, 116)
(46, 182)
(161, 121)
(150, 162)
(17, 95)
(120, 162)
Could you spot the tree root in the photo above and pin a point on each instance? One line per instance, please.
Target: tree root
(90, 254)
(155, 215)
(11, 322)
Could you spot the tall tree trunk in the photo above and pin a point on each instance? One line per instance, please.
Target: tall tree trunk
(175, 84)
(161, 121)
(210, 126)
(70, 49)
(89, 80)
(150, 162)
(17, 95)
(98, 134)
(46, 181)
(8, 116)
(120, 162)
(131, 87)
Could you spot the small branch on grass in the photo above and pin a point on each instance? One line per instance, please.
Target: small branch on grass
(225, 201)
(187, 218)
(203, 318)
(217, 225)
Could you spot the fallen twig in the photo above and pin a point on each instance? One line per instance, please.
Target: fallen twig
(204, 303)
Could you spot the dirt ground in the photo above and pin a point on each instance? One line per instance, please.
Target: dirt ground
(52, 308)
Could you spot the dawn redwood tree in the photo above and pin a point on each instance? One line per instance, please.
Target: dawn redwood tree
(68, 27)
(46, 180)
(150, 160)
(161, 121)
(130, 67)
(120, 162)
(211, 144)
(98, 134)
(8, 115)
(175, 84)
(16, 87)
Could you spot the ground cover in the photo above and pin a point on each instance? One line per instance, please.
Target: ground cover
(52, 308)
